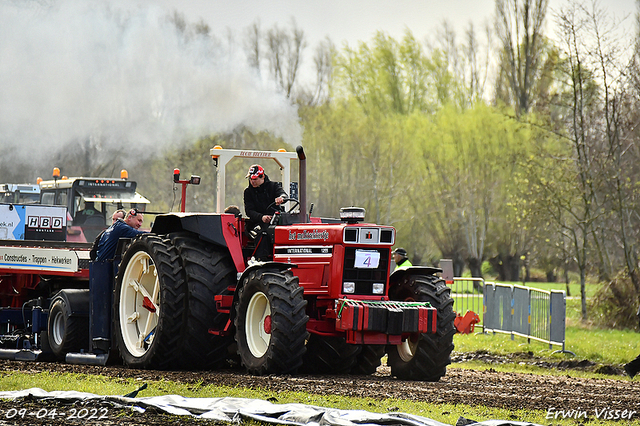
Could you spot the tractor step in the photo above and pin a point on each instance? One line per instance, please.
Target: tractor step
(224, 303)
(22, 354)
(85, 358)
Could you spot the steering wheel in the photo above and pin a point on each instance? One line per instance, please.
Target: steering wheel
(295, 202)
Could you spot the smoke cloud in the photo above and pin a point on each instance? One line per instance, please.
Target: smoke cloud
(125, 78)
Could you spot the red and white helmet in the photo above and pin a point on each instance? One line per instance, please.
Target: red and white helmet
(256, 171)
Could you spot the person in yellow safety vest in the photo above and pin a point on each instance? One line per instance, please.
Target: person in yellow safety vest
(400, 257)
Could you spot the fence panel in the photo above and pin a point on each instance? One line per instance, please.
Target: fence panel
(467, 296)
(521, 310)
(558, 313)
(525, 311)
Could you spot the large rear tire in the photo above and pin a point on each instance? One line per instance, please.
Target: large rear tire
(271, 323)
(149, 304)
(66, 333)
(330, 355)
(424, 356)
(208, 272)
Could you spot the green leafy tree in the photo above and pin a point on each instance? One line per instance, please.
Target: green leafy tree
(467, 179)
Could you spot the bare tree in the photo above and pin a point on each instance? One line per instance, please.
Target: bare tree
(468, 61)
(618, 130)
(323, 61)
(284, 54)
(252, 45)
(602, 209)
(519, 25)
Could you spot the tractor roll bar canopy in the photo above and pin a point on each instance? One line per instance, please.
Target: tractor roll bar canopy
(222, 156)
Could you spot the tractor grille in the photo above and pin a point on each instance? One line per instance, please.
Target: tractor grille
(364, 278)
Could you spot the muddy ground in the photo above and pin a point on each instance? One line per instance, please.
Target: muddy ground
(488, 388)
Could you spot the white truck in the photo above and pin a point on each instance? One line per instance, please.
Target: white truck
(44, 258)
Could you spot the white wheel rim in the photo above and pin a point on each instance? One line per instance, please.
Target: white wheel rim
(258, 324)
(137, 322)
(58, 328)
(407, 349)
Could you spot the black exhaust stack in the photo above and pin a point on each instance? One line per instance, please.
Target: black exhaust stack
(303, 184)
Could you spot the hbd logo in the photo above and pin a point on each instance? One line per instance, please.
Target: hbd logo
(44, 222)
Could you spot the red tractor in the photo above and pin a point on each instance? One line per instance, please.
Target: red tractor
(188, 295)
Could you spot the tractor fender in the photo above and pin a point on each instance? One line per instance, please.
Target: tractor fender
(76, 299)
(207, 226)
(398, 275)
(218, 229)
(280, 266)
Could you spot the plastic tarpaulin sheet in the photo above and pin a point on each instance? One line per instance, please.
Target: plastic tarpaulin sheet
(229, 409)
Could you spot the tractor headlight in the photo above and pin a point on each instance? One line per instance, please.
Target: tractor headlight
(378, 288)
(348, 287)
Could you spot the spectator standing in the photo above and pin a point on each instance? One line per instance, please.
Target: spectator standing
(401, 258)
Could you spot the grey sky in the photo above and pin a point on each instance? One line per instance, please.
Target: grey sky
(114, 71)
(354, 20)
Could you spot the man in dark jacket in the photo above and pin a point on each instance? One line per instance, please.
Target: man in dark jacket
(118, 214)
(258, 197)
(127, 228)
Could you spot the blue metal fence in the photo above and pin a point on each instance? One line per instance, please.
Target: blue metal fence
(526, 312)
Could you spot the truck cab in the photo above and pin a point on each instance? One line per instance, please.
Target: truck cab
(90, 202)
(23, 193)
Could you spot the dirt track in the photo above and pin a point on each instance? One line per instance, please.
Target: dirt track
(489, 388)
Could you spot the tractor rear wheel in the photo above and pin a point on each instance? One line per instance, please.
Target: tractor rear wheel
(271, 323)
(208, 272)
(66, 333)
(149, 304)
(330, 355)
(424, 356)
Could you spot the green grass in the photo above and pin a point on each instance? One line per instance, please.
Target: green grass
(446, 413)
(601, 346)
(613, 347)
(585, 341)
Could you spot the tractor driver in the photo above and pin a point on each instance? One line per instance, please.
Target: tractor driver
(261, 199)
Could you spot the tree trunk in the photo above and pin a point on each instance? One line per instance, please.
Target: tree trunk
(507, 267)
(583, 294)
(475, 266)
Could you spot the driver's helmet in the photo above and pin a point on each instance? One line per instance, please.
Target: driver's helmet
(256, 171)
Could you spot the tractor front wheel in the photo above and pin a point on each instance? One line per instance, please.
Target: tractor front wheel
(271, 323)
(369, 359)
(424, 356)
(330, 355)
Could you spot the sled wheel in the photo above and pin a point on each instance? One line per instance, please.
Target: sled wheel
(271, 322)
(424, 356)
(66, 333)
(149, 304)
(330, 355)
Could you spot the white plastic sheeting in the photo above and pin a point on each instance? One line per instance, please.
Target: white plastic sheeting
(235, 409)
